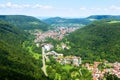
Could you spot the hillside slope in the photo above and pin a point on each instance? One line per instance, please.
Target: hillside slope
(97, 41)
(25, 22)
(15, 62)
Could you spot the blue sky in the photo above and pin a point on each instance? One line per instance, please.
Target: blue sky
(62, 8)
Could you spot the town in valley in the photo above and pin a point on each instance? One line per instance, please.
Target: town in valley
(76, 61)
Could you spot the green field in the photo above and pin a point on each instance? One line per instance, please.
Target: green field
(67, 67)
(114, 22)
(35, 55)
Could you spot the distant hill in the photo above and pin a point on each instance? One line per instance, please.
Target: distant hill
(16, 63)
(66, 22)
(84, 21)
(25, 22)
(77, 22)
(98, 17)
(98, 41)
(59, 20)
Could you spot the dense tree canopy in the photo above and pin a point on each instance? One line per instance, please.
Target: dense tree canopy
(97, 41)
(16, 63)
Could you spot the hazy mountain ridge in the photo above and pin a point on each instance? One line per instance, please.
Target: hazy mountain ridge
(99, 17)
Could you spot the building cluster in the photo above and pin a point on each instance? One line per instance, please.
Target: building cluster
(54, 54)
(71, 60)
(98, 74)
(55, 34)
(59, 57)
(116, 69)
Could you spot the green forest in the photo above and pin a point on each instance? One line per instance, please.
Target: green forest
(16, 62)
(96, 42)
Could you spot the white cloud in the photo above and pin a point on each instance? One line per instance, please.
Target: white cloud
(12, 5)
(2, 6)
(42, 6)
(48, 10)
(113, 7)
(82, 8)
(23, 6)
(110, 10)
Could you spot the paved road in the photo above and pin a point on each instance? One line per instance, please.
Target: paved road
(43, 61)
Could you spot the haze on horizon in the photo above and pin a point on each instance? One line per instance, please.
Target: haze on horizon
(62, 8)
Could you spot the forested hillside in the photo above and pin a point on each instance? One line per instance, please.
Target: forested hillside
(16, 63)
(25, 22)
(97, 41)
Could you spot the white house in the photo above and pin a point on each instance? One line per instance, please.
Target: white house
(48, 47)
